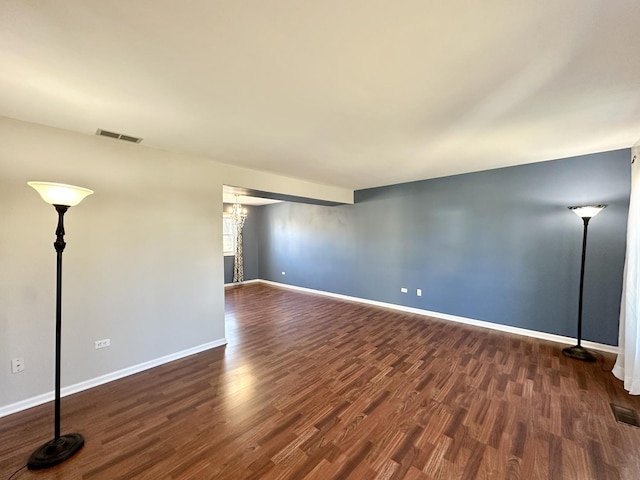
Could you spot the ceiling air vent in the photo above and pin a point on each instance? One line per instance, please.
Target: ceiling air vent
(118, 136)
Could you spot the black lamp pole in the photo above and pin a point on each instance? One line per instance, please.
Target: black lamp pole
(578, 351)
(61, 447)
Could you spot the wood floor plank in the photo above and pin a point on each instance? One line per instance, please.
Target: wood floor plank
(315, 388)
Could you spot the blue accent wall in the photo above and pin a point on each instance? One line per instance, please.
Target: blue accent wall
(498, 245)
(249, 246)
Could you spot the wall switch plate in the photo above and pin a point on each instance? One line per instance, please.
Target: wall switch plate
(103, 343)
(17, 365)
(283, 273)
(419, 292)
(403, 290)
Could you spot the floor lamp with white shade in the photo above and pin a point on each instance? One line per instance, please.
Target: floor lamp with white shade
(586, 213)
(62, 447)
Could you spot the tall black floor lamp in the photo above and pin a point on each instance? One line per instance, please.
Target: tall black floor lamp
(586, 212)
(62, 446)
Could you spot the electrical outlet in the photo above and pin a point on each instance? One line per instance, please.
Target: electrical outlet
(419, 292)
(283, 273)
(17, 365)
(403, 290)
(103, 343)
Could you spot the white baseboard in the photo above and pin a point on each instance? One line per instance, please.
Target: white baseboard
(245, 282)
(109, 377)
(454, 318)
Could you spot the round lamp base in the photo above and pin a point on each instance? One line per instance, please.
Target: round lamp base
(55, 451)
(579, 353)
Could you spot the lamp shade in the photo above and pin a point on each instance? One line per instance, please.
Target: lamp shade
(587, 211)
(59, 193)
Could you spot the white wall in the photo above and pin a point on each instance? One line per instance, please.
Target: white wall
(143, 263)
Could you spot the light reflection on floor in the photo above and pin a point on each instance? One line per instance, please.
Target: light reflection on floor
(239, 386)
(239, 389)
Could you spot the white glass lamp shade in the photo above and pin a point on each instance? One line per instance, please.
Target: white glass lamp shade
(59, 193)
(587, 211)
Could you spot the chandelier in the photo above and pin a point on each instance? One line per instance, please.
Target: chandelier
(238, 214)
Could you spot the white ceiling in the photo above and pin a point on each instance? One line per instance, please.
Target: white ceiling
(233, 195)
(350, 93)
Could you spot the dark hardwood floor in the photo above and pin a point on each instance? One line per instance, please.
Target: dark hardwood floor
(315, 388)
